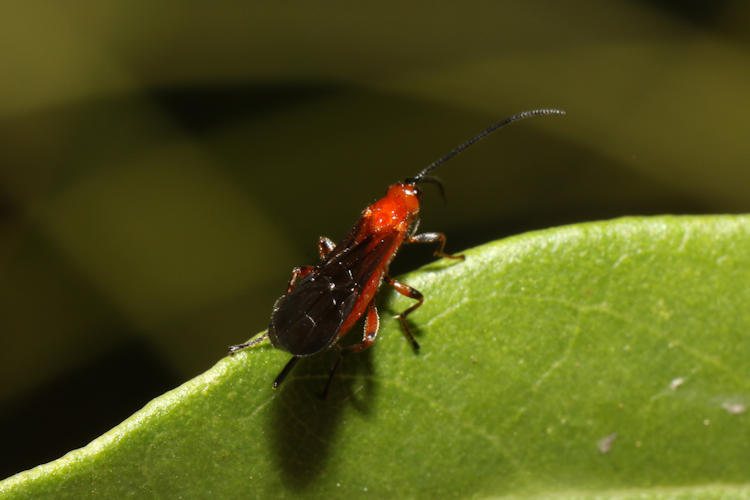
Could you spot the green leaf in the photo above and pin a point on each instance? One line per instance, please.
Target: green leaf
(597, 359)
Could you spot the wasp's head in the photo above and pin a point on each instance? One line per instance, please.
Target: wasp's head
(414, 181)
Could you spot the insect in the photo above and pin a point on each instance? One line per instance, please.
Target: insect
(323, 302)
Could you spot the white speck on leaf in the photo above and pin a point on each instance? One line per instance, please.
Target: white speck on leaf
(605, 443)
(676, 382)
(734, 408)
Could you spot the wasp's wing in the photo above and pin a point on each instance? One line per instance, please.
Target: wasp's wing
(308, 319)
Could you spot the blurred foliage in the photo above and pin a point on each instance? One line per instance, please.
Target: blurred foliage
(164, 165)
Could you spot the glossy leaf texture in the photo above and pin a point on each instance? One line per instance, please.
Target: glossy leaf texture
(607, 358)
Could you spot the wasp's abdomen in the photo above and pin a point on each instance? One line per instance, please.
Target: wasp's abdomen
(308, 319)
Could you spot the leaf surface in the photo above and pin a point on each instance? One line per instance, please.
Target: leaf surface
(608, 358)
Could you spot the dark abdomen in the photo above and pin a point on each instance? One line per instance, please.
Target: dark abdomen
(308, 319)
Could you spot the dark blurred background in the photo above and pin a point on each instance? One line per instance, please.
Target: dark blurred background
(164, 165)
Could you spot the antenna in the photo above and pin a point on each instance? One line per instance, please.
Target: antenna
(422, 176)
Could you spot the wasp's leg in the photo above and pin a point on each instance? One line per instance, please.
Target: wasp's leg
(324, 395)
(285, 371)
(239, 347)
(372, 324)
(412, 293)
(433, 238)
(325, 246)
(298, 272)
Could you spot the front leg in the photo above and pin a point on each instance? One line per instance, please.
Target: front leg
(433, 238)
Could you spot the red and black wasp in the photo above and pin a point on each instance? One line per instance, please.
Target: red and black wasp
(324, 301)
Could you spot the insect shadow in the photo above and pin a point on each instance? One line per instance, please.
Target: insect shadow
(305, 426)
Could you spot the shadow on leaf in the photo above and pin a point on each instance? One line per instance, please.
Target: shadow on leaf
(304, 425)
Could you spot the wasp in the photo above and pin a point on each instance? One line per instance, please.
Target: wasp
(323, 302)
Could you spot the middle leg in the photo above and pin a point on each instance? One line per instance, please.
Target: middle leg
(412, 293)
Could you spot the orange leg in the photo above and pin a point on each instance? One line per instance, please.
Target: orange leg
(372, 323)
(298, 272)
(325, 246)
(432, 238)
(412, 293)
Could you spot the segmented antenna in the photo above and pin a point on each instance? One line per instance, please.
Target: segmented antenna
(520, 116)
